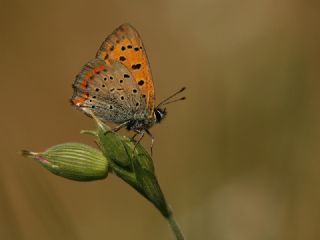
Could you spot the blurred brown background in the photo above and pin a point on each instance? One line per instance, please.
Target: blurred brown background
(238, 160)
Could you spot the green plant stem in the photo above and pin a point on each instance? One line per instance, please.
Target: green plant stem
(175, 227)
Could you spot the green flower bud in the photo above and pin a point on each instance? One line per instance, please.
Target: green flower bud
(73, 161)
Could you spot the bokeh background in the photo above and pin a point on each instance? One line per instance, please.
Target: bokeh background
(238, 160)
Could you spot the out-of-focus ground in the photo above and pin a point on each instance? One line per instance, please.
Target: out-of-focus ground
(239, 160)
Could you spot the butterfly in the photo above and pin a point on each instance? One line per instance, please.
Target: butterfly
(116, 86)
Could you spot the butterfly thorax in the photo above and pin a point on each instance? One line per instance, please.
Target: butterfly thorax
(140, 122)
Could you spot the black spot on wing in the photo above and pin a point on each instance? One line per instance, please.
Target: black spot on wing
(141, 82)
(136, 66)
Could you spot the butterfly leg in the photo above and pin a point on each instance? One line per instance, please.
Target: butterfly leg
(136, 133)
(152, 140)
(117, 128)
(139, 140)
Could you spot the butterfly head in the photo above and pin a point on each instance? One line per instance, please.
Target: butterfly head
(159, 114)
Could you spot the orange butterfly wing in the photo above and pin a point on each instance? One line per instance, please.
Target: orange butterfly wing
(125, 45)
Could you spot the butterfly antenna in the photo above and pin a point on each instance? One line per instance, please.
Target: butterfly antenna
(176, 100)
(165, 101)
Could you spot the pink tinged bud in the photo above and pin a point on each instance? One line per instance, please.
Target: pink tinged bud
(73, 161)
